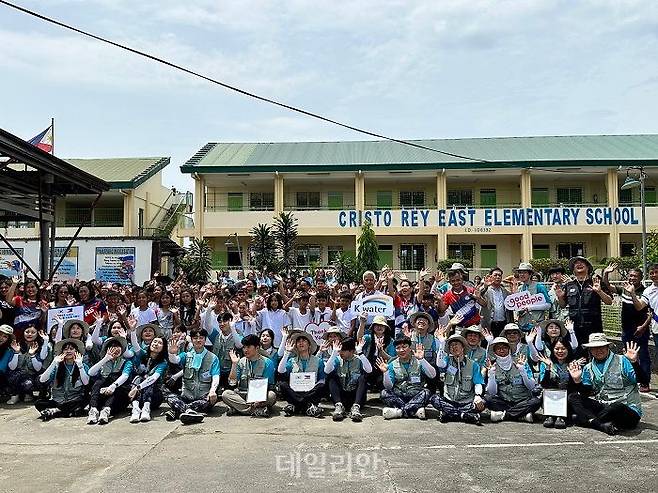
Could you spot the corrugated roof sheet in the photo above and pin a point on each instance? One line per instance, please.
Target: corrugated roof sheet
(122, 171)
(504, 149)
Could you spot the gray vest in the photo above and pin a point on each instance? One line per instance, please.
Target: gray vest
(534, 316)
(67, 391)
(112, 367)
(479, 355)
(249, 370)
(613, 386)
(349, 372)
(197, 383)
(408, 381)
(312, 365)
(428, 343)
(510, 384)
(222, 349)
(459, 385)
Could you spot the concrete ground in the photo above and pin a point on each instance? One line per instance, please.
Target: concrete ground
(297, 454)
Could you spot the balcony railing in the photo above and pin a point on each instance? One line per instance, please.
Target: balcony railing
(100, 217)
(241, 208)
(324, 207)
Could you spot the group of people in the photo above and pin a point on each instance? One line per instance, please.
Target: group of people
(447, 345)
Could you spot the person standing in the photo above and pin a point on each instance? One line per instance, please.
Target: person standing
(528, 319)
(494, 314)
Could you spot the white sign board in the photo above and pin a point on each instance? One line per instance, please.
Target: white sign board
(376, 304)
(65, 313)
(523, 300)
(302, 381)
(257, 391)
(555, 403)
(317, 331)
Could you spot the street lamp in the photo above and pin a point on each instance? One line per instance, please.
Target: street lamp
(229, 243)
(630, 183)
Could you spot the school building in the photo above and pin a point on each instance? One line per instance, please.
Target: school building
(519, 198)
(138, 218)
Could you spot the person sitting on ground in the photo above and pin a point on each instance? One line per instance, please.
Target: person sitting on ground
(461, 399)
(223, 342)
(611, 381)
(110, 391)
(404, 394)
(26, 364)
(299, 358)
(554, 374)
(513, 334)
(510, 386)
(346, 372)
(377, 344)
(332, 336)
(253, 365)
(474, 336)
(267, 348)
(146, 393)
(201, 370)
(67, 377)
(550, 331)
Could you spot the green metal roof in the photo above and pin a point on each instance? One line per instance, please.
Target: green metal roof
(127, 172)
(495, 152)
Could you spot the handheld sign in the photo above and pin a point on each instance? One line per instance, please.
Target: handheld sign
(302, 382)
(66, 313)
(257, 391)
(375, 304)
(555, 403)
(524, 300)
(317, 331)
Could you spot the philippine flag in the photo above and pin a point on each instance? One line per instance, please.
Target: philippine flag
(44, 140)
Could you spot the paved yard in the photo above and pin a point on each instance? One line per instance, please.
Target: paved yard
(287, 454)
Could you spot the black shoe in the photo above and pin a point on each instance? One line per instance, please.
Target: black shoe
(560, 423)
(443, 417)
(608, 428)
(549, 422)
(191, 417)
(288, 410)
(472, 418)
(170, 415)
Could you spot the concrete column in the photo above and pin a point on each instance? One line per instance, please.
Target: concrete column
(612, 186)
(441, 189)
(199, 204)
(128, 213)
(441, 246)
(359, 191)
(278, 193)
(526, 201)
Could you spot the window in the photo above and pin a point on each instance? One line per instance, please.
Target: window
(488, 199)
(626, 196)
(233, 256)
(412, 257)
(568, 250)
(334, 252)
(335, 200)
(261, 201)
(412, 199)
(460, 198)
(650, 195)
(385, 255)
(307, 254)
(462, 251)
(488, 256)
(235, 201)
(539, 197)
(541, 251)
(627, 249)
(384, 199)
(569, 196)
(308, 200)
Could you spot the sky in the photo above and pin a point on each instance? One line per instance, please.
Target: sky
(406, 69)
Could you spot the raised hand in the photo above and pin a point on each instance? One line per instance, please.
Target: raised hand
(632, 351)
(456, 320)
(33, 349)
(59, 358)
(173, 345)
(132, 322)
(420, 351)
(381, 364)
(575, 371)
(423, 273)
(78, 358)
(520, 361)
(568, 324)
(629, 288)
(488, 280)
(337, 346)
(15, 346)
(596, 284)
(547, 361)
(490, 366)
(439, 277)
(325, 345)
(441, 333)
(559, 292)
(379, 341)
(290, 345)
(486, 333)
(532, 335)
(610, 268)
(406, 330)
(359, 346)
(234, 356)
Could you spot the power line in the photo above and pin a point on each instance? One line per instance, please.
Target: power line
(230, 87)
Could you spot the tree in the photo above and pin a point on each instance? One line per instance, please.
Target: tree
(262, 247)
(368, 251)
(346, 267)
(444, 265)
(197, 262)
(285, 239)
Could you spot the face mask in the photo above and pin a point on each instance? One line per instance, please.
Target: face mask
(505, 363)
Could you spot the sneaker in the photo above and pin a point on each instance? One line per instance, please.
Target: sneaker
(528, 418)
(289, 410)
(355, 413)
(260, 412)
(645, 389)
(472, 418)
(92, 419)
(497, 416)
(339, 412)
(191, 417)
(560, 423)
(14, 399)
(145, 415)
(314, 411)
(420, 414)
(549, 422)
(134, 415)
(443, 417)
(608, 428)
(48, 414)
(391, 413)
(170, 415)
(104, 416)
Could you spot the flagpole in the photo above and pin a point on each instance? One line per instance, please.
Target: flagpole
(52, 129)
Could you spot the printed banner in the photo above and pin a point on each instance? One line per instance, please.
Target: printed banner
(523, 300)
(376, 304)
(115, 264)
(10, 265)
(68, 269)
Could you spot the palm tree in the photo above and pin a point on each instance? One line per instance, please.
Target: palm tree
(262, 247)
(197, 262)
(285, 237)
